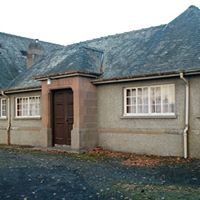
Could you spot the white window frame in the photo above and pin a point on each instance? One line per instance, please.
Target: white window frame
(1, 108)
(125, 113)
(28, 115)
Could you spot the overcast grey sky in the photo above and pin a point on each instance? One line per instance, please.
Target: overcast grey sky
(70, 21)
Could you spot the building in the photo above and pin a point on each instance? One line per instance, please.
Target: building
(135, 92)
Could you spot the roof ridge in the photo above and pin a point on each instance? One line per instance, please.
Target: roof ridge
(114, 35)
(26, 38)
(190, 10)
(92, 49)
(193, 7)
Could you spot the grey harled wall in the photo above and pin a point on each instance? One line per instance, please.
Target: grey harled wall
(194, 128)
(26, 131)
(160, 136)
(3, 127)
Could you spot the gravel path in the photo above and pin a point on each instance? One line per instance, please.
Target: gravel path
(28, 175)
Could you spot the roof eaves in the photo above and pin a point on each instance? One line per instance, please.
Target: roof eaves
(19, 90)
(145, 77)
(68, 74)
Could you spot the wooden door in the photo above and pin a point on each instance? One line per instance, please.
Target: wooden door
(62, 116)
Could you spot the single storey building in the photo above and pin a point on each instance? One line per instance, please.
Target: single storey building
(135, 92)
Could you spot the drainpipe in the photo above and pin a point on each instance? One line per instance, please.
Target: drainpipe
(9, 117)
(185, 131)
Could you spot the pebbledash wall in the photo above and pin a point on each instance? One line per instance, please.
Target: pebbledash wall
(150, 135)
(23, 131)
(99, 120)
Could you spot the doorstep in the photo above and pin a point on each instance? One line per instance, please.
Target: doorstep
(58, 149)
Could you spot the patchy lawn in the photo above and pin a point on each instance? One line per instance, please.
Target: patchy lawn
(156, 192)
(98, 174)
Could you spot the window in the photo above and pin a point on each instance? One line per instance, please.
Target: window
(28, 106)
(3, 108)
(151, 100)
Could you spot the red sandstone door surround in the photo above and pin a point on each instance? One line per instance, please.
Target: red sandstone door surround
(57, 117)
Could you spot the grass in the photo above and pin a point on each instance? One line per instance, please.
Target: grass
(31, 150)
(128, 159)
(157, 192)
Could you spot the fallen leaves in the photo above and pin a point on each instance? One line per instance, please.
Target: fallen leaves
(131, 159)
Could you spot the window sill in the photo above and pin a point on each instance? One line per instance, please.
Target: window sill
(27, 118)
(3, 118)
(149, 117)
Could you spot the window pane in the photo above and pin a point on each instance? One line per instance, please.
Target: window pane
(139, 100)
(158, 108)
(128, 109)
(133, 94)
(153, 108)
(134, 101)
(171, 99)
(145, 109)
(128, 101)
(32, 106)
(19, 107)
(133, 110)
(25, 107)
(128, 93)
(168, 98)
(145, 100)
(156, 99)
(165, 108)
(3, 107)
(171, 108)
(35, 106)
(139, 91)
(152, 99)
(158, 95)
(140, 109)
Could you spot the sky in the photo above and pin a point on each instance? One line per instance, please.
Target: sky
(70, 21)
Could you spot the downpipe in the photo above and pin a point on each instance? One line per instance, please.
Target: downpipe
(9, 117)
(185, 131)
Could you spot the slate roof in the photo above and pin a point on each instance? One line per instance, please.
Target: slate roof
(173, 47)
(70, 59)
(166, 48)
(12, 60)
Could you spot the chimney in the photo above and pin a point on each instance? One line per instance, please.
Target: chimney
(35, 52)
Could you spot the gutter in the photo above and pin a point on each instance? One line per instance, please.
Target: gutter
(57, 76)
(9, 117)
(185, 131)
(98, 82)
(12, 91)
(143, 77)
